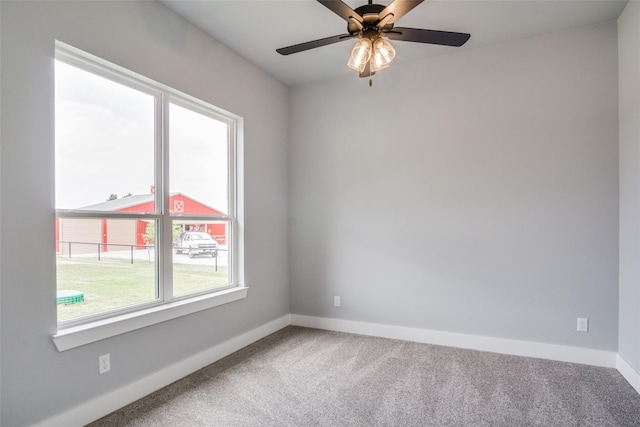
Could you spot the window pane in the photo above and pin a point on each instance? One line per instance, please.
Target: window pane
(104, 149)
(104, 264)
(108, 158)
(199, 162)
(200, 256)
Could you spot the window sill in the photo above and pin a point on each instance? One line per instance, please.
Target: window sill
(77, 336)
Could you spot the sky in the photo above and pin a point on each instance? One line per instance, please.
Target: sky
(105, 143)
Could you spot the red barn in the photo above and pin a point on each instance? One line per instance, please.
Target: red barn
(85, 235)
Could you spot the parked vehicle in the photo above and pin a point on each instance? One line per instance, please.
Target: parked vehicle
(196, 243)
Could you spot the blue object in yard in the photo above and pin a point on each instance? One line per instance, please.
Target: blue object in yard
(69, 297)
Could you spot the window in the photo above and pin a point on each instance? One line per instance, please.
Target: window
(145, 188)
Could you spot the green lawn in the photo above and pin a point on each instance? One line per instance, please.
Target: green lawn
(114, 283)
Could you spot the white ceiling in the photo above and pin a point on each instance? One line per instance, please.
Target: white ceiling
(255, 29)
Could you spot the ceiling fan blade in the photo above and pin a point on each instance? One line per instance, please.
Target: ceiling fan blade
(342, 10)
(398, 8)
(313, 44)
(445, 38)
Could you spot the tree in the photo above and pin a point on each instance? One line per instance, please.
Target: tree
(149, 236)
(113, 196)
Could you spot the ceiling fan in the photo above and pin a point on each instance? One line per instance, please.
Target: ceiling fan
(372, 23)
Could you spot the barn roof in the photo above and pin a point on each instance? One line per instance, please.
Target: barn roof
(129, 201)
(117, 204)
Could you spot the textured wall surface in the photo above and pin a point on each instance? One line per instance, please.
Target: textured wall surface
(475, 192)
(629, 72)
(147, 38)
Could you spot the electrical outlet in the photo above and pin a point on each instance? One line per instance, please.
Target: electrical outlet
(336, 301)
(583, 324)
(104, 363)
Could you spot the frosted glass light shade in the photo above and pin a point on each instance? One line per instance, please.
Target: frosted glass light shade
(360, 54)
(383, 54)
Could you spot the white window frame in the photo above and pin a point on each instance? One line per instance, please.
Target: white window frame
(81, 331)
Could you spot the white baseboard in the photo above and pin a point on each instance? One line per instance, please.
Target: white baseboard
(105, 404)
(628, 373)
(497, 345)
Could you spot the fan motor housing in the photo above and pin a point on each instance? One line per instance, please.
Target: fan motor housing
(370, 15)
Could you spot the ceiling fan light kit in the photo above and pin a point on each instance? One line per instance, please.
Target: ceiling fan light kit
(383, 54)
(361, 54)
(371, 23)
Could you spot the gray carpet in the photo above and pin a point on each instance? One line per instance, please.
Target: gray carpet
(309, 377)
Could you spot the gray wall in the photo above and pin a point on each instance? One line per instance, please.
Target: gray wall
(629, 83)
(38, 381)
(475, 192)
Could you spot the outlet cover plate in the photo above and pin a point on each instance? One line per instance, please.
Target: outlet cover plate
(104, 363)
(583, 324)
